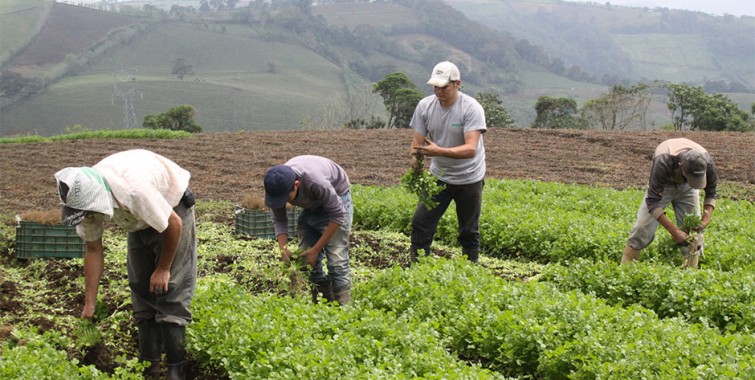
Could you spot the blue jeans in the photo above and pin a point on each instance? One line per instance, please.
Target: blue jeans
(683, 198)
(468, 199)
(311, 225)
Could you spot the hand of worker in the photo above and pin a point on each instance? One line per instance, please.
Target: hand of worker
(88, 312)
(310, 257)
(158, 283)
(680, 237)
(286, 256)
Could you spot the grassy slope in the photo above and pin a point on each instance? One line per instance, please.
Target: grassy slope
(650, 53)
(232, 88)
(18, 24)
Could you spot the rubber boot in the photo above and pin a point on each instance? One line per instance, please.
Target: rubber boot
(175, 352)
(149, 347)
(472, 256)
(630, 254)
(323, 288)
(415, 251)
(342, 296)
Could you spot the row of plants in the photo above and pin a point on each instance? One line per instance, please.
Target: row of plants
(552, 328)
(723, 300)
(77, 134)
(534, 330)
(270, 337)
(556, 223)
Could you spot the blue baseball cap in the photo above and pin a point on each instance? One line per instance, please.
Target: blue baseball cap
(279, 182)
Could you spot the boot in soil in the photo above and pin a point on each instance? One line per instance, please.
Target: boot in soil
(342, 296)
(472, 256)
(175, 352)
(323, 288)
(149, 347)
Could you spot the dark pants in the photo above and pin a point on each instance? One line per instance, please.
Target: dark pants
(144, 248)
(468, 199)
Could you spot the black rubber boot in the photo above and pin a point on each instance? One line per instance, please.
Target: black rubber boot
(175, 351)
(324, 289)
(149, 347)
(415, 251)
(472, 255)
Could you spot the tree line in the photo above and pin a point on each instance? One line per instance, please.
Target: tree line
(621, 107)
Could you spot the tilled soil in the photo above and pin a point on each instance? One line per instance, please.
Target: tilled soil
(230, 165)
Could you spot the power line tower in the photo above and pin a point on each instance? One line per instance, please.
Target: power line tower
(127, 80)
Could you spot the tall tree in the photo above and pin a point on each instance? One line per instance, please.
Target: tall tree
(400, 96)
(558, 113)
(698, 110)
(496, 115)
(180, 118)
(682, 99)
(181, 68)
(619, 108)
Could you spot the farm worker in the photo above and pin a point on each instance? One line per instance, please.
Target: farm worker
(322, 189)
(148, 196)
(448, 127)
(680, 168)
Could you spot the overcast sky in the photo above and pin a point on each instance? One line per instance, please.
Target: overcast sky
(716, 7)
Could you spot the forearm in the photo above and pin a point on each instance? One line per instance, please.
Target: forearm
(707, 214)
(326, 235)
(94, 262)
(171, 239)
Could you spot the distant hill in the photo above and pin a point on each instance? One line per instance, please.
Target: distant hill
(615, 43)
(268, 67)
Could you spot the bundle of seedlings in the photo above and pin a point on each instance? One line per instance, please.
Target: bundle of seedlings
(422, 183)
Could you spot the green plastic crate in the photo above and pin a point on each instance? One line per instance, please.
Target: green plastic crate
(34, 240)
(259, 223)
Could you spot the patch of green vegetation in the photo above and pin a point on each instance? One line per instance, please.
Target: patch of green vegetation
(101, 134)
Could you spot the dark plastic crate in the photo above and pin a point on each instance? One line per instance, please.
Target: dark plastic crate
(259, 223)
(35, 240)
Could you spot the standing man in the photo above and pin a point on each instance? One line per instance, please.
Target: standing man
(680, 168)
(147, 195)
(448, 127)
(322, 189)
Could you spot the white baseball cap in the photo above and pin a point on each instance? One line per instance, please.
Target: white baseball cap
(443, 73)
(83, 189)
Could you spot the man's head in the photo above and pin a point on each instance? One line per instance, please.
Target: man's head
(279, 183)
(443, 73)
(694, 164)
(82, 190)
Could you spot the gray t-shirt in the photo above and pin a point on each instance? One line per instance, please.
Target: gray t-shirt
(322, 182)
(446, 127)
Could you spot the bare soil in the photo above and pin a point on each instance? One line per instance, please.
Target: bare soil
(230, 165)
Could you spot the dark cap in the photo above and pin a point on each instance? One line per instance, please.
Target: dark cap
(694, 165)
(279, 182)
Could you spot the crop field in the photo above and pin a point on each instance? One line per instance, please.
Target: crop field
(548, 300)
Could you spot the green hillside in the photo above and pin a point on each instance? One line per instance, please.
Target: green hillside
(263, 67)
(628, 42)
(234, 87)
(20, 21)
